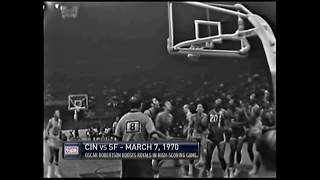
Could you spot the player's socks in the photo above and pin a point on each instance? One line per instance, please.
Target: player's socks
(209, 173)
(49, 171)
(236, 171)
(231, 172)
(190, 172)
(182, 171)
(226, 173)
(255, 167)
(156, 166)
(211, 169)
(56, 171)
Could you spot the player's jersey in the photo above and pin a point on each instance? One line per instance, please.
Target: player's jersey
(188, 116)
(238, 123)
(186, 122)
(54, 132)
(197, 121)
(134, 126)
(255, 126)
(216, 127)
(163, 122)
(151, 113)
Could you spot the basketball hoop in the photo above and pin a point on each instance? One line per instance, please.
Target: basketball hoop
(76, 103)
(260, 29)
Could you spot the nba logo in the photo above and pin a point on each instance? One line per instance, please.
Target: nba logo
(71, 151)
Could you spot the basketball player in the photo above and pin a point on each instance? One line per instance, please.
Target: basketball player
(265, 101)
(53, 140)
(252, 102)
(163, 123)
(253, 131)
(136, 126)
(153, 110)
(268, 124)
(114, 125)
(268, 120)
(188, 114)
(217, 138)
(200, 124)
(238, 122)
(190, 129)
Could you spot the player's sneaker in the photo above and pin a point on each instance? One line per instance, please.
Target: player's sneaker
(56, 172)
(231, 172)
(49, 171)
(253, 171)
(226, 173)
(200, 164)
(209, 173)
(156, 175)
(236, 172)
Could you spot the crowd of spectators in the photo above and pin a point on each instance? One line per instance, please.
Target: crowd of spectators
(178, 89)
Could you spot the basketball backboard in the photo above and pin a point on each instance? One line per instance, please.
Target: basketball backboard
(248, 25)
(77, 102)
(206, 29)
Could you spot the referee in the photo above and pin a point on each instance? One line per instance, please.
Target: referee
(135, 126)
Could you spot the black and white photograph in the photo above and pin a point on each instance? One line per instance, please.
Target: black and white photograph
(159, 89)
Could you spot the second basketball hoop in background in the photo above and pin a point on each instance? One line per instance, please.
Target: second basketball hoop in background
(77, 102)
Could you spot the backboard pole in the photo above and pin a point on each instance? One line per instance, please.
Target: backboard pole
(75, 115)
(204, 5)
(268, 40)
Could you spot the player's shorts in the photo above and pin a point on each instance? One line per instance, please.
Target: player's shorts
(228, 136)
(252, 137)
(217, 138)
(54, 142)
(237, 133)
(199, 136)
(254, 134)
